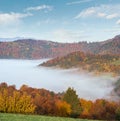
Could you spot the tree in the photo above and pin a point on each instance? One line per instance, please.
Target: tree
(4, 101)
(16, 103)
(63, 108)
(45, 105)
(3, 86)
(71, 98)
(98, 109)
(14, 100)
(118, 113)
(103, 110)
(25, 104)
(86, 106)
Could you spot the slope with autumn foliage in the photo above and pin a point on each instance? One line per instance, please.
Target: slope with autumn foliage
(89, 62)
(36, 49)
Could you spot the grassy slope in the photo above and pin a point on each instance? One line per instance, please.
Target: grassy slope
(19, 117)
(117, 62)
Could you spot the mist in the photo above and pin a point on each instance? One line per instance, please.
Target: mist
(87, 85)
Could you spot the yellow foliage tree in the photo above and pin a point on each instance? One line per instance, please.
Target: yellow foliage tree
(17, 103)
(25, 104)
(63, 108)
(4, 101)
(86, 106)
(13, 107)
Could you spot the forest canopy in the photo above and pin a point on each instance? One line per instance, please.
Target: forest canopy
(28, 100)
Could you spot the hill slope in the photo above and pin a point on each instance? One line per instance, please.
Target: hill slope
(90, 62)
(36, 49)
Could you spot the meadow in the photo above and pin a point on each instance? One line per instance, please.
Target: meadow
(21, 117)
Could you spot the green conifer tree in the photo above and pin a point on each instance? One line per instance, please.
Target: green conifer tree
(71, 98)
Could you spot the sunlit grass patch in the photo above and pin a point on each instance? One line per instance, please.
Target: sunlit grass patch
(20, 117)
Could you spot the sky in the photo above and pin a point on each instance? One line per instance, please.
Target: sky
(60, 20)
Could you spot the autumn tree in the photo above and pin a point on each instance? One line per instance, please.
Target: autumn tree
(102, 109)
(45, 104)
(3, 86)
(20, 103)
(26, 105)
(15, 103)
(4, 101)
(86, 106)
(63, 108)
(71, 98)
(14, 100)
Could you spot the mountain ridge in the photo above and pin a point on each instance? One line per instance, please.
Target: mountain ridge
(37, 49)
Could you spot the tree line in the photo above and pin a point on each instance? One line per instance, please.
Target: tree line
(28, 100)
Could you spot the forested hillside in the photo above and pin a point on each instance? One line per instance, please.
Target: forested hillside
(36, 49)
(90, 62)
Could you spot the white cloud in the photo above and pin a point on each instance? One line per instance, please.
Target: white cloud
(105, 11)
(101, 15)
(64, 35)
(118, 22)
(111, 16)
(86, 13)
(78, 2)
(8, 18)
(38, 8)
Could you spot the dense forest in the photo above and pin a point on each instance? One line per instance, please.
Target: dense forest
(90, 62)
(28, 100)
(36, 49)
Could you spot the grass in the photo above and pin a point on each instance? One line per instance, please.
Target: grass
(117, 62)
(20, 117)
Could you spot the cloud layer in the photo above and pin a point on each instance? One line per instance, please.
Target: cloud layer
(8, 18)
(102, 11)
(39, 8)
(12, 17)
(78, 2)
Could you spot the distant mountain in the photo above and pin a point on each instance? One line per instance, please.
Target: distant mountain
(36, 49)
(10, 39)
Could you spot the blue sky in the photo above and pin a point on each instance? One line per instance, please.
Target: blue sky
(60, 20)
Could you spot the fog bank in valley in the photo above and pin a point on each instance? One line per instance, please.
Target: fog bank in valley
(27, 72)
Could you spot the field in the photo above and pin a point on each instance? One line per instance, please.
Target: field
(117, 62)
(19, 117)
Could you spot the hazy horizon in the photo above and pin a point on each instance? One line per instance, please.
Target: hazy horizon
(24, 38)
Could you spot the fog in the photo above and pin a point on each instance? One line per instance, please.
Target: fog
(27, 72)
